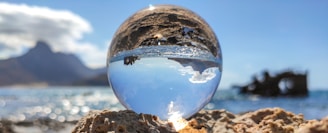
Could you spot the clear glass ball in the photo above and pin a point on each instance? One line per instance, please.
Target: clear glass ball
(164, 60)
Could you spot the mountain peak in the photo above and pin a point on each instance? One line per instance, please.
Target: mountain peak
(41, 65)
(42, 46)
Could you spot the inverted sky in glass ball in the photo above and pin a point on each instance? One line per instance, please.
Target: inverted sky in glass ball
(164, 60)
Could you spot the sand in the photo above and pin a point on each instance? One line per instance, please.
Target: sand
(268, 120)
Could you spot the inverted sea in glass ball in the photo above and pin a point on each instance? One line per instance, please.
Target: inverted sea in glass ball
(164, 60)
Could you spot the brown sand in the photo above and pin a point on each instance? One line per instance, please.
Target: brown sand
(269, 120)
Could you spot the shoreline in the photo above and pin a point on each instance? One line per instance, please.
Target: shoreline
(273, 120)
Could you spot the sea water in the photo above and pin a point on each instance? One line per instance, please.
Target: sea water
(165, 83)
(71, 103)
(57, 103)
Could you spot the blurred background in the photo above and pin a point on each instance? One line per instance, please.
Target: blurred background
(46, 46)
(254, 36)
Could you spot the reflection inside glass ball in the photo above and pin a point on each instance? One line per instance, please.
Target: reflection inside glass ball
(164, 61)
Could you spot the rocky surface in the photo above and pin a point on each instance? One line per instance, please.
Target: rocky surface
(42, 125)
(269, 120)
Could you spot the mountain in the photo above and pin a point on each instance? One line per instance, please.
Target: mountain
(100, 80)
(40, 65)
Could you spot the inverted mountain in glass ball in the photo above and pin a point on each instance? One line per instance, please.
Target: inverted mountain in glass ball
(164, 60)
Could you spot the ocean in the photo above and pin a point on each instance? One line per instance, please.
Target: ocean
(71, 103)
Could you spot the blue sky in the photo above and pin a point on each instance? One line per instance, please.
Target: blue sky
(254, 35)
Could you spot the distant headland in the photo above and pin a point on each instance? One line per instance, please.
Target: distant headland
(41, 66)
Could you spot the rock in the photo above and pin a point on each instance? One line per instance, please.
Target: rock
(286, 83)
(122, 121)
(314, 126)
(5, 126)
(269, 120)
(36, 126)
(275, 120)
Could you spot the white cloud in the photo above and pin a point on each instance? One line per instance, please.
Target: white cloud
(198, 77)
(22, 25)
(203, 77)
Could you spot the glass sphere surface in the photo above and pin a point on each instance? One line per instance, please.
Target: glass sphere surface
(164, 60)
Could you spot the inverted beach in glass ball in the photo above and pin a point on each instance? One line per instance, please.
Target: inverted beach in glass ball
(164, 60)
